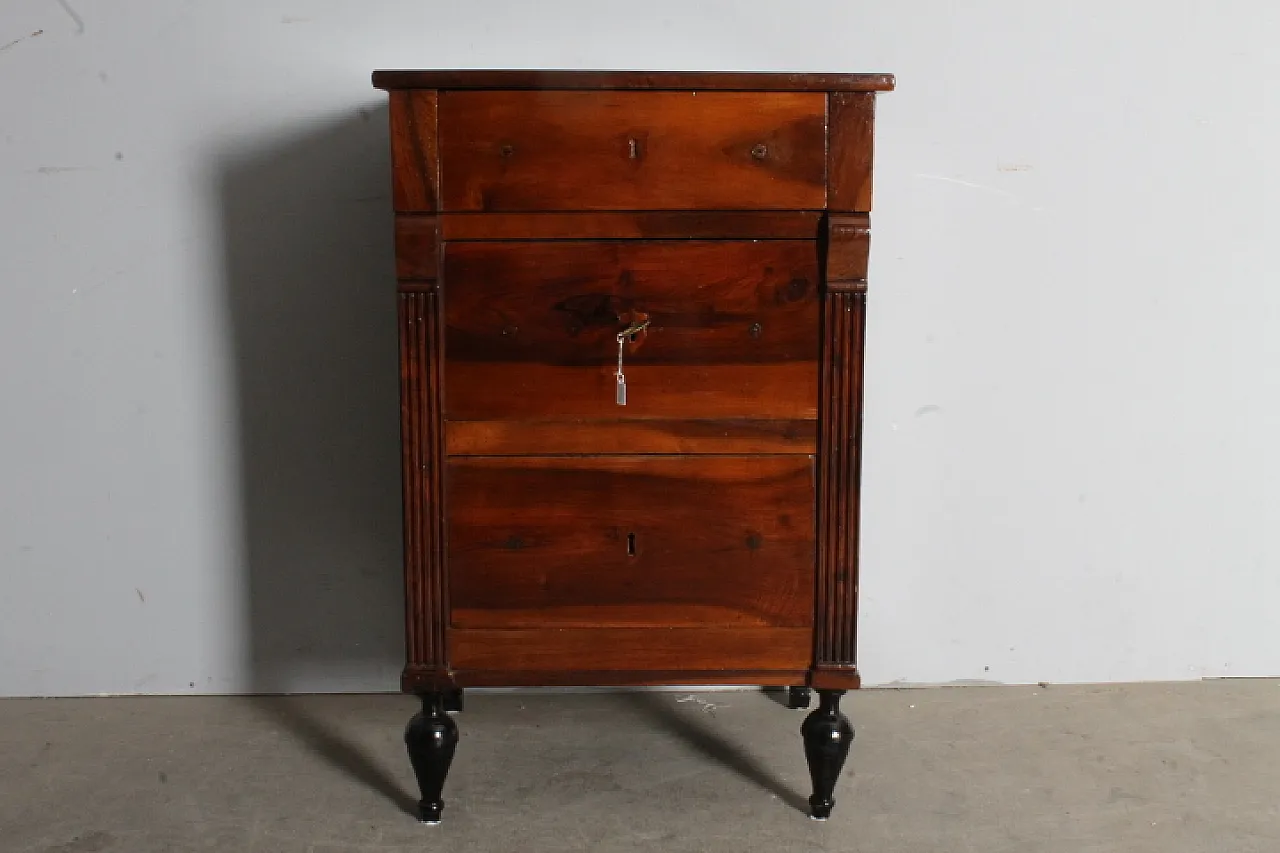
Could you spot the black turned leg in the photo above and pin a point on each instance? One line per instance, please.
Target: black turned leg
(453, 700)
(797, 697)
(827, 737)
(431, 738)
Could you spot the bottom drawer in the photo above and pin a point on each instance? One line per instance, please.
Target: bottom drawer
(571, 653)
(657, 542)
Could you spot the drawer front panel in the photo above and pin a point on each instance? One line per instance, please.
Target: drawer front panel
(558, 150)
(649, 656)
(659, 542)
(531, 329)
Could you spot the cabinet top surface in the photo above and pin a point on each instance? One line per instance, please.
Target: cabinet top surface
(564, 79)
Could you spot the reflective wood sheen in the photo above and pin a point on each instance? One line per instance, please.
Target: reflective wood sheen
(511, 151)
(635, 224)
(639, 649)
(621, 541)
(650, 435)
(531, 329)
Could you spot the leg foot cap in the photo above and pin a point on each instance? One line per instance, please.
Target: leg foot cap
(429, 813)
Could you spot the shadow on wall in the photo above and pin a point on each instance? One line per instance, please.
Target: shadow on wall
(310, 302)
(309, 282)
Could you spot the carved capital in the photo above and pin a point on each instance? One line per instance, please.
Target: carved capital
(848, 246)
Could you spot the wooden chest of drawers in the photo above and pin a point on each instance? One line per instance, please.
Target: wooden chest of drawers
(631, 313)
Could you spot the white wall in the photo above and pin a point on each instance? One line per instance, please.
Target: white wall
(1074, 364)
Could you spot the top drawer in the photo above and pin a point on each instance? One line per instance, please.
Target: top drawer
(565, 150)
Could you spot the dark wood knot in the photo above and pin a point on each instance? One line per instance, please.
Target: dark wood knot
(796, 290)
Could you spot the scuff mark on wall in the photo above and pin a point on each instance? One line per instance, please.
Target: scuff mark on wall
(36, 34)
(79, 21)
(970, 184)
(55, 170)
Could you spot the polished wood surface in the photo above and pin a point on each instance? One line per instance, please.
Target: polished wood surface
(415, 174)
(421, 679)
(640, 649)
(625, 541)
(417, 248)
(850, 150)
(535, 225)
(635, 224)
(531, 329)
(650, 435)
(706, 532)
(753, 81)
(557, 150)
(627, 677)
(835, 676)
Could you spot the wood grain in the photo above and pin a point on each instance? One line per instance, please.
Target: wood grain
(840, 441)
(516, 151)
(426, 590)
(626, 678)
(531, 329)
(657, 80)
(417, 248)
(835, 677)
(848, 245)
(547, 650)
(514, 438)
(417, 678)
(624, 541)
(415, 161)
(634, 224)
(850, 151)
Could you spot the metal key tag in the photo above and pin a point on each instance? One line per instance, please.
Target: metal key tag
(622, 380)
(624, 336)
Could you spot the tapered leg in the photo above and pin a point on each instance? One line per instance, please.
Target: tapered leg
(431, 738)
(827, 737)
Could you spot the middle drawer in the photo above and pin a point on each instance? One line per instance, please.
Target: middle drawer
(732, 334)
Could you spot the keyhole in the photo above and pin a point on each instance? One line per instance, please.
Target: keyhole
(633, 148)
(631, 544)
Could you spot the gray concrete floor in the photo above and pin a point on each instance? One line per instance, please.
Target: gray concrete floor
(1169, 768)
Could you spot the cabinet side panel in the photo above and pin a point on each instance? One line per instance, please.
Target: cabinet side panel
(415, 160)
(421, 443)
(839, 478)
